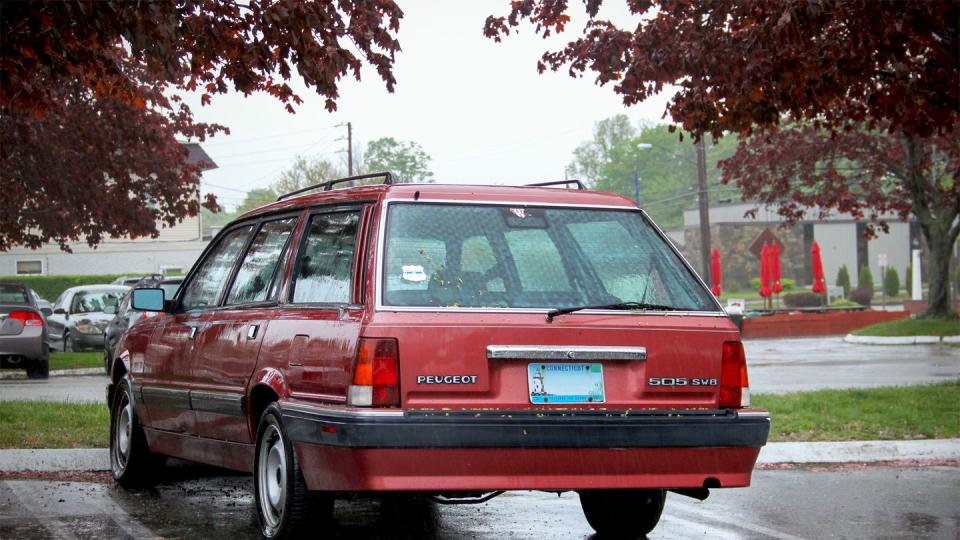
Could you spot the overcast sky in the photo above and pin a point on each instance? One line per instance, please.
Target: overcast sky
(477, 107)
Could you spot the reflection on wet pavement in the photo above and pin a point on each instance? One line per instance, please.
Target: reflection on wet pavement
(202, 502)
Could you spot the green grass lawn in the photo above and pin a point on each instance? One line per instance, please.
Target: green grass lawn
(906, 412)
(912, 327)
(76, 360)
(41, 424)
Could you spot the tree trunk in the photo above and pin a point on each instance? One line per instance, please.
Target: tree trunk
(938, 223)
(938, 304)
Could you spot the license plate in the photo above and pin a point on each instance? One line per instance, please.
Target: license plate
(565, 383)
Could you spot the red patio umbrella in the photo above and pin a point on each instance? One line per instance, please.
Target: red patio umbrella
(818, 286)
(775, 276)
(765, 271)
(715, 272)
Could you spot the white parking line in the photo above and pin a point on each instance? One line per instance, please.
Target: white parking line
(29, 497)
(94, 502)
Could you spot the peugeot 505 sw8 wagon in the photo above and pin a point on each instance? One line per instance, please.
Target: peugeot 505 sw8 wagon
(452, 341)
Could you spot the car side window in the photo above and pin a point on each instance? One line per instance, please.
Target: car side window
(258, 272)
(325, 266)
(210, 279)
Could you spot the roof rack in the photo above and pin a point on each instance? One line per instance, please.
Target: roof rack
(560, 183)
(328, 185)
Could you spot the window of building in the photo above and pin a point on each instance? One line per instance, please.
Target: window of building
(30, 268)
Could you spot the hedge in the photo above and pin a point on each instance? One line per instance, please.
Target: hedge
(50, 287)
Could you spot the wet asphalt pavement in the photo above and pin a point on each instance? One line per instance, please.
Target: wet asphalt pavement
(200, 502)
(776, 366)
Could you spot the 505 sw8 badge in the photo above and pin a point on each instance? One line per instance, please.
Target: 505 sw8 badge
(453, 341)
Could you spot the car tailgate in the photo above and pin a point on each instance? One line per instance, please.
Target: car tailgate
(641, 361)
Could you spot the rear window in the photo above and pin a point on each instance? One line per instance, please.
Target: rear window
(485, 256)
(13, 294)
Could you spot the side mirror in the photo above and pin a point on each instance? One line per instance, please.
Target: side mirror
(147, 300)
(46, 312)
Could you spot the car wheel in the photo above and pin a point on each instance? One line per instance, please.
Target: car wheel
(623, 513)
(284, 505)
(68, 344)
(131, 461)
(39, 369)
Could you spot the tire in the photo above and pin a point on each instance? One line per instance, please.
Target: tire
(68, 343)
(284, 505)
(39, 369)
(132, 463)
(623, 513)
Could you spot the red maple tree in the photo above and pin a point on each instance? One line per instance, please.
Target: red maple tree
(878, 76)
(89, 106)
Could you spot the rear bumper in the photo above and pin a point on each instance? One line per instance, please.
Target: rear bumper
(482, 450)
(27, 347)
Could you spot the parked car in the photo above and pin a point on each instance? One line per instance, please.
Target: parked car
(23, 332)
(46, 308)
(456, 341)
(79, 317)
(125, 317)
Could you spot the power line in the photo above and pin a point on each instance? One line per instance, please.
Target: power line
(260, 138)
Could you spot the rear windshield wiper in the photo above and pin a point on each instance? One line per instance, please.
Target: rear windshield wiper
(619, 305)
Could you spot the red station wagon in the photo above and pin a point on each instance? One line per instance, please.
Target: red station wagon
(448, 340)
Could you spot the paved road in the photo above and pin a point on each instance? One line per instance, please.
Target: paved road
(874, 502)
(793, 365)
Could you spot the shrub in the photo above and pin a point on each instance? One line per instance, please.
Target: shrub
(755, 283)
(788, 284)
(803, 299)
(862, 296)
(50, 287)
(843, 280)
(843, 302)
(865, 279)
(891, 282)
(908, 284)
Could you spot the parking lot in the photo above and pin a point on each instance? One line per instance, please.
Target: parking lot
(195, 502)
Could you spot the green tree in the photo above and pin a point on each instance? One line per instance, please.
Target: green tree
(843, 280)
(612, 159)
(891, 282)
(256, 198)
(865, 279)
(406, 159)
(306, 172)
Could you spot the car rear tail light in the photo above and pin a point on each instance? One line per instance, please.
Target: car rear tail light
(27, 318)
(376, 375)
(734, 388)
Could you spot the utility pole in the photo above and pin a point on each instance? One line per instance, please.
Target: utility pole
(704, 210)
(349, 146)
(349, 149)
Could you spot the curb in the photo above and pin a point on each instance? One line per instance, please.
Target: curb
(59, 459)
(98, 459)
(21, 375)
(859, 451)
(900, 340)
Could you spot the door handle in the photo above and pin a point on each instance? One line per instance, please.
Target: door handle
(252, 331)
(193, 332)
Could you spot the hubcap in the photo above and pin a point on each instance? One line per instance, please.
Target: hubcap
(272, 476)
(124, 428)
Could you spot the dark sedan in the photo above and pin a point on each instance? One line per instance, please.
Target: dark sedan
(125, 316)
(23, 332)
